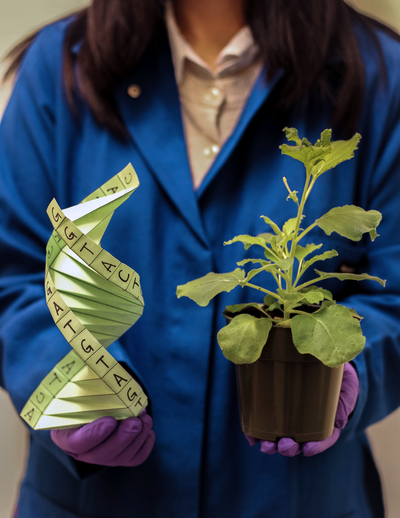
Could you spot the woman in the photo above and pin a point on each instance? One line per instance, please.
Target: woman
(202, 128)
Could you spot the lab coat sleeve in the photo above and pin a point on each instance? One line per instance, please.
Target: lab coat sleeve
(30, 343)
(378, 365)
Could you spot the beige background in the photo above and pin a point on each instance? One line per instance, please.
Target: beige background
(19, 17)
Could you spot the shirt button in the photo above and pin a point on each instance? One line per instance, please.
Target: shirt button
(213, 95)
(211, 151)
(134, 91)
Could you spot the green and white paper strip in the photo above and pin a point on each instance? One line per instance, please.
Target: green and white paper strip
(93, 299)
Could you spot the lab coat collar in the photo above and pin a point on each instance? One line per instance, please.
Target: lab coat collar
(261, 91)
(154, 121)
(238, 54)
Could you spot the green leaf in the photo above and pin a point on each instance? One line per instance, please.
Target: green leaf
(273, 225)
(313, 297)
(302, 297)
(303, 251)
(373, 234)
(354, 314)
(236, 308)
(285, 264)
(269, 255)
(326, 293)
(286, 239)
(327, 303)
(350, 221)
(275, 305)
(275, 246)
(289, 226)
(267, 236)
(256, 271)
(326, 137)
(304, 150)
(307, 296)
(243, 340)
(326, 255)
(306, 142)
(248, 241)
(332, 335)
(292, 135)
(305, 153)
(349, 277)
(293, 196)
(259, 261)
(286, 296)
(275, 253)
(341, 150)
(269, 299)
(324, 155)
(205, 288)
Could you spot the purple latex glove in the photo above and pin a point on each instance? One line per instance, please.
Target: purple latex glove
(347, 401)
(109, 442)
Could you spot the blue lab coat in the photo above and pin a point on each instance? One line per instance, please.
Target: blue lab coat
(201, 465)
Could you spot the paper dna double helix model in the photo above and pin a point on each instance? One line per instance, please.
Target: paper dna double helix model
(93, 299)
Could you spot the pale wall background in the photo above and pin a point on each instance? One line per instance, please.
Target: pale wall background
(19, 17)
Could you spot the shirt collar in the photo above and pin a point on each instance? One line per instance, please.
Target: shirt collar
(240, 52)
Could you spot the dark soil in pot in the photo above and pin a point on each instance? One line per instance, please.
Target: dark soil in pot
(287, 394)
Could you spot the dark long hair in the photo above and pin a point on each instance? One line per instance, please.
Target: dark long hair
(296, 35)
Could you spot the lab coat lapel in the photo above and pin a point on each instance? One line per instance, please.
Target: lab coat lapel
(262, 89)
(154, 121)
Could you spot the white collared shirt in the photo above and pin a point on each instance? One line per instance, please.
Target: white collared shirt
(211, 101)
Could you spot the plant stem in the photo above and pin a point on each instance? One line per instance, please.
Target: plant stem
(261, 289)
(283, 323)
(310, 186)
(306, 231)
(306, 192)
(299, 274)
(273, 253)
(278, 279)
(300, 237)
(308, 283)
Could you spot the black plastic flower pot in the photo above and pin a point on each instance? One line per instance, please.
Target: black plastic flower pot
(287, 394)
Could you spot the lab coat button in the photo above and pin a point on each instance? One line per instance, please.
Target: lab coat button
(213, 96)
(134, 91)
(211, 151)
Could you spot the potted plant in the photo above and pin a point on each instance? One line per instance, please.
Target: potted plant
(290, 349)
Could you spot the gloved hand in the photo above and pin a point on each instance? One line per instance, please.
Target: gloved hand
(347, 401)
(109, 442)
